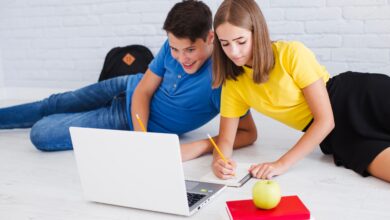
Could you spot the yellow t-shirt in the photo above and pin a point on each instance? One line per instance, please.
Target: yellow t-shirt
(281, 97)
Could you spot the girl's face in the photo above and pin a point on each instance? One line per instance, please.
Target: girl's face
(236, 42)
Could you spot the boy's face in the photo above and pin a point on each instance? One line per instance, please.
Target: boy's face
(191, 55)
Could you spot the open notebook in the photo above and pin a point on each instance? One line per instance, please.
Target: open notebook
(242, 176)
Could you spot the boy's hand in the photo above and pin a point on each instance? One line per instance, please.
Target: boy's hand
(267, 170)
(224, 170)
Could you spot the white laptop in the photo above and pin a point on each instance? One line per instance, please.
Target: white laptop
(137, 169)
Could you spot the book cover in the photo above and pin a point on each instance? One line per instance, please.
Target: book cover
(289, 208)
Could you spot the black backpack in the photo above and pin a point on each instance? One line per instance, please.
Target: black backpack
(127, 60)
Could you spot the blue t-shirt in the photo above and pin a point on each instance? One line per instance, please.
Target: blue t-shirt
(183, 102)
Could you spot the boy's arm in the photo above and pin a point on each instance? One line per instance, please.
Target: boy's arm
(140, 102)
(246, 135)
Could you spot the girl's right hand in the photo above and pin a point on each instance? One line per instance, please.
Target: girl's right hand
(224, 170)
(268, 170)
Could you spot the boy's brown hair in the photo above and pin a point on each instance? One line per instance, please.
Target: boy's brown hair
(189, 19)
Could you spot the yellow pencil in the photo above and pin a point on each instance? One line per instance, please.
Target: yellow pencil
(217, 149)
(140, 122)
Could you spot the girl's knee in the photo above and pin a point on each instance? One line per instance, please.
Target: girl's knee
(379, 166)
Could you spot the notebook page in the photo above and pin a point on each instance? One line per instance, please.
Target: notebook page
(241, 176)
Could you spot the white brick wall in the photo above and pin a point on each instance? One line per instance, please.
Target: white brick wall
(62, 44)
(1, 71)
(2, 96)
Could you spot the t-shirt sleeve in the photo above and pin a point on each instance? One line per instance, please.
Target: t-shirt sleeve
(157, 65)
(216, 99)
(303, 65)
(232, 103)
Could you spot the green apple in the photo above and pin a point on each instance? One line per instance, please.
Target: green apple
(266, 194)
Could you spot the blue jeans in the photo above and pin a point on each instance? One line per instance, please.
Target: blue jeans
(100, 105)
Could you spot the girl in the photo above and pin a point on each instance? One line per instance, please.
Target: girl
(283, 80)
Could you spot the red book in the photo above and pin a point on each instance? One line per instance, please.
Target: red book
(289, 208)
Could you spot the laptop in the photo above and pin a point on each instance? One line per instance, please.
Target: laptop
(138, 170)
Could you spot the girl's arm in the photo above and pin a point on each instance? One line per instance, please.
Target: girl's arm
(246, 135)
(317, 98)
(227, 133)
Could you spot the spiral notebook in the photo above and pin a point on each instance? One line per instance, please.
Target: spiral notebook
(241, 176)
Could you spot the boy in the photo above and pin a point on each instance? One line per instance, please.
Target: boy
(173, 96)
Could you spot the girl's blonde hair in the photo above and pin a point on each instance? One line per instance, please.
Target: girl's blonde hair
(245, 14)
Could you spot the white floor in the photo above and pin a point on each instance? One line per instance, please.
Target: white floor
(37, 185)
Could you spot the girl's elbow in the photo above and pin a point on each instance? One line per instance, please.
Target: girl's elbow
(253, 137)
(326, 124)
(331, 124)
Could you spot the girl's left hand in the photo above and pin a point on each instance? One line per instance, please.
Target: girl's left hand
(267, 170)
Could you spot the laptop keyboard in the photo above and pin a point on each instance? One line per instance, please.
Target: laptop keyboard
(194, 198)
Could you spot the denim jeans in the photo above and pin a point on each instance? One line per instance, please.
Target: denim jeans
(100, 105)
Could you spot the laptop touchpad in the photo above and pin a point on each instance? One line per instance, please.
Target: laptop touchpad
(190, 185)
